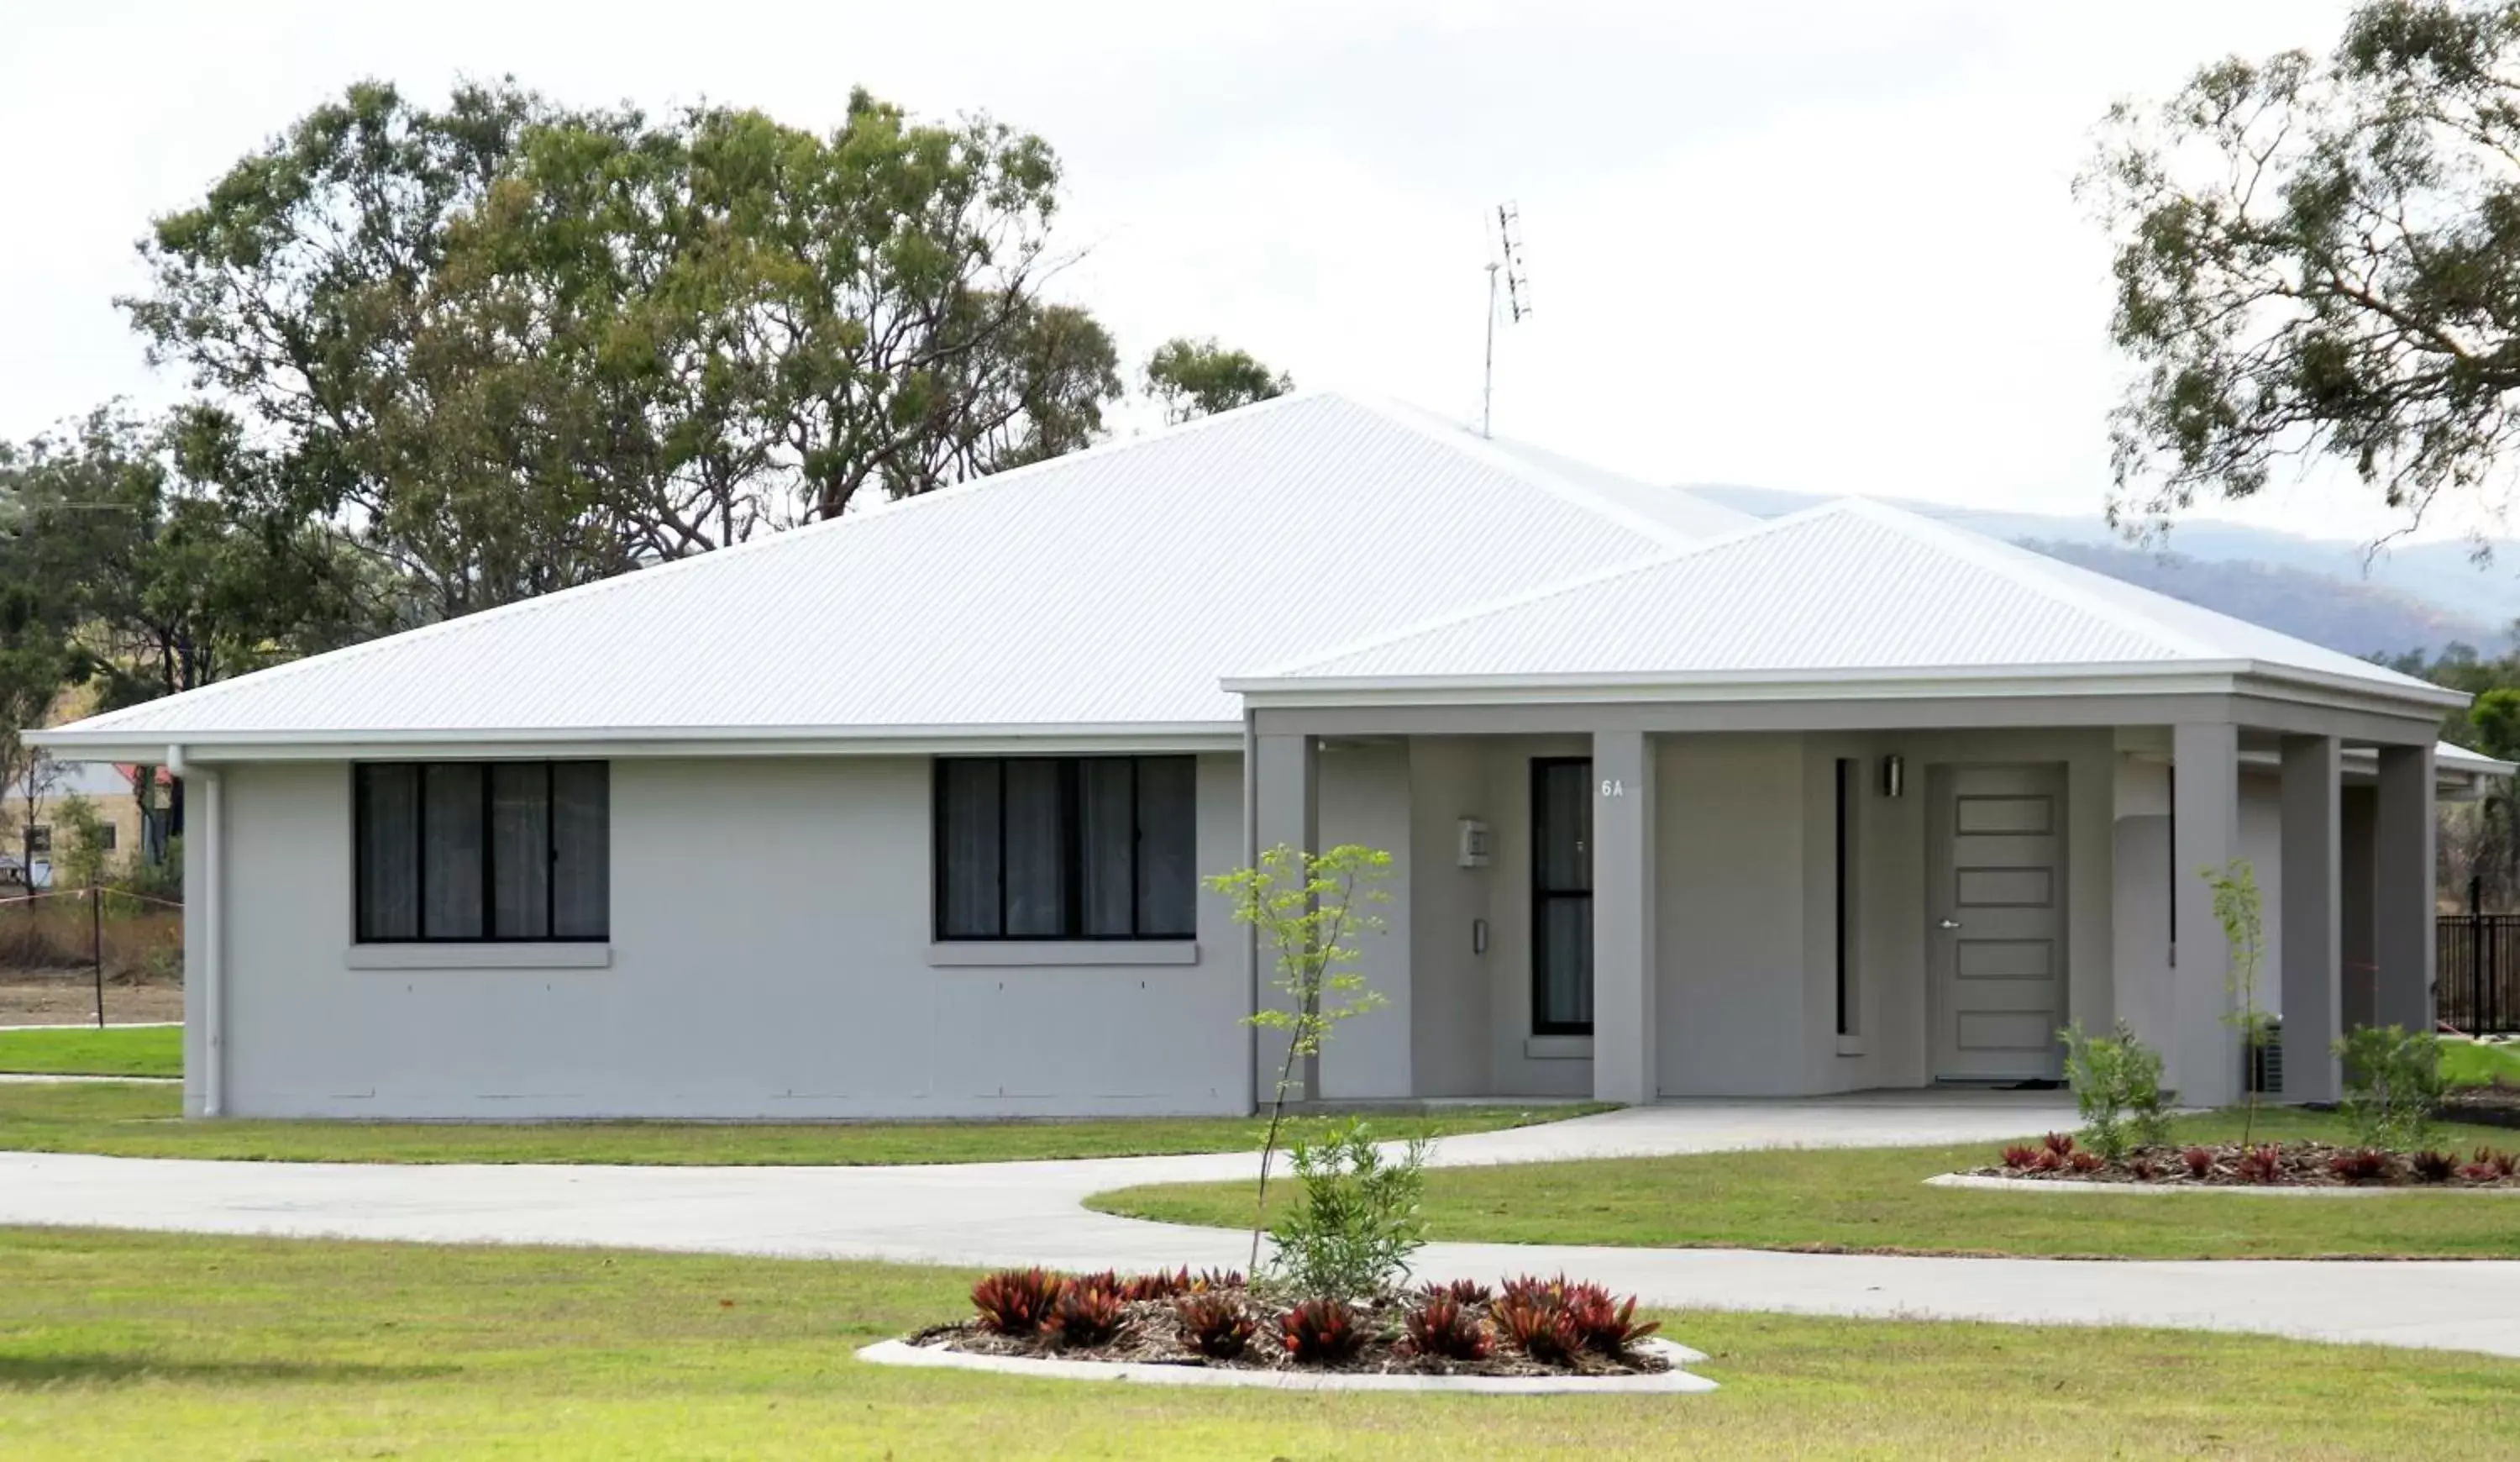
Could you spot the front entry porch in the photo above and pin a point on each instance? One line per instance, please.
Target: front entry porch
(1640, 904)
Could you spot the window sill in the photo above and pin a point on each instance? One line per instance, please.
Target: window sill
(484, 956)
(1017, 953)
(1558, 1048)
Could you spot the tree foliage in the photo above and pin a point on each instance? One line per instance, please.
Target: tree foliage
(506, 346)
(1196, 378)
(2319, 259)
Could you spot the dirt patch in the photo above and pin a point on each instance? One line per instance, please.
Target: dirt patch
(2495, 1106)
(70, 997)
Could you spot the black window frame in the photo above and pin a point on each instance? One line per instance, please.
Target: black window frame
(1542, 893)
(359, 920)
(1849, 793)
(1070, 780)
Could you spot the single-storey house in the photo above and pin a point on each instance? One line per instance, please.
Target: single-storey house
(907, 814)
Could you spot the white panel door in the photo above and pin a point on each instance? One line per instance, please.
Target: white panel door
(1999, 920)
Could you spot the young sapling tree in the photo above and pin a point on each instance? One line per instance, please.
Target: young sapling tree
(1310, 911)
(2241, 912)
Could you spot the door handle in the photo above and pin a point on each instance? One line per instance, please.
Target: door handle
(1946, 923)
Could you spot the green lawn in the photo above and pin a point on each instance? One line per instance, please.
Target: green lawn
(147, 1122)
(154, 1346)
(1874, 1200)
(116, 1051)
(2465, 1063)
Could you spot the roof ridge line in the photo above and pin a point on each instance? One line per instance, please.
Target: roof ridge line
(1997, 556)
(802, 532)
(1482, 450)
(1551, 590)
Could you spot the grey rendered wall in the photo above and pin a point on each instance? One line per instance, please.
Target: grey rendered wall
(1365, 800)
(1748, 931)
(1449, 1000)
(770, 934)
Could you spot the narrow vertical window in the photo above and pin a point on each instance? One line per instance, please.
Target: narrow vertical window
(1849, 788)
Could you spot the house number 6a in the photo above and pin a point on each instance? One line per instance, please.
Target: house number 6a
(1613, 786)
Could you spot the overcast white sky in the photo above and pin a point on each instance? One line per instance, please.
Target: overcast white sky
(1825, 246)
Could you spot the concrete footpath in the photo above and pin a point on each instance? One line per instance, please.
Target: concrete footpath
(1031, 1212)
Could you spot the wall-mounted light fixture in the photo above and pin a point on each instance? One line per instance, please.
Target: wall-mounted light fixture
(1894, 775)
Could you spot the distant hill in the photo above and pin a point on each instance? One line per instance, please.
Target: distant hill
(2415, 596)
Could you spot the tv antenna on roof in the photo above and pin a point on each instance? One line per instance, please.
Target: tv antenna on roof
(1517, 301)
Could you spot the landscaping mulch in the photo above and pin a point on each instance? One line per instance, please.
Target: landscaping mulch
(1150, 1334)
(2234, 1165)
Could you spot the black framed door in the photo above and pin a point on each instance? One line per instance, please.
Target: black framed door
(1562, 895)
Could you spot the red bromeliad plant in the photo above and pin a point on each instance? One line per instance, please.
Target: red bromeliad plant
(1087, 1312)
(1441, 1325)
(2259, 1164)
(1159, 1285)
(1320, 1332)
(2489, 1166)
(2059, 1143)
(2022, 1155)
(2199, 1161)
(1461, 1290)
(1538, 1326)
(1015, 1301)
(2359, 1166)
(2432, 1165)
(2084, 1161)
(1605, 1329)
(1217, 1323)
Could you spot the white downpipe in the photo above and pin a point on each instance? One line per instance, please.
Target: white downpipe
(206, 833)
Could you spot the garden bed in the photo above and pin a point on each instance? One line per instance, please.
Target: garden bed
(2496, 1105)
(1539, 1335)
(2255, 1165)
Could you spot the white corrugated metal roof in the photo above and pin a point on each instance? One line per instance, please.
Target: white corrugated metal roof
(1105, 589)
(1852, 586)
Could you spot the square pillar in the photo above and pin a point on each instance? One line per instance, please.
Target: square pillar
(2203, 1055)
(2403, 904)
(2359, 887)
(1286, 802)
(2313, 976)
(1624, 971)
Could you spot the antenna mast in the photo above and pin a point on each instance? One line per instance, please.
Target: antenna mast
(1517, 301)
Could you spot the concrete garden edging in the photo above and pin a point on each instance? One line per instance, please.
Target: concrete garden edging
(1673, 1382)
(1986, 1183)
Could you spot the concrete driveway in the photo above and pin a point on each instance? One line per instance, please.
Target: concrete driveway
(1030, 1212)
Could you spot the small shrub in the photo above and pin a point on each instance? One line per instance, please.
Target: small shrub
(2393, 1083)
(1604, 1328)
(1215, 1323)
(2117, 1089)
(1015, 1301)
(1461, 1292)
(1350, 1235)
(1441, 1325)
(2199, 1161)
(2020, 1156)
(2361, 1165)
(1160, 1285)
(2084, 1161)
(2433, 1166)
(1084, 1314)
(1321, 1331)
(2263, 1163)
(1538, 1326)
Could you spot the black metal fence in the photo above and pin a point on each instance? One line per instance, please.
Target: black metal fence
(2477, 972)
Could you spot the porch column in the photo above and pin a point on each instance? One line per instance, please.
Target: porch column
(2358, 887)
(1624, 1028)
(2312, 918)
(2204, 1054)
(2403, 907)
(1285, 797)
